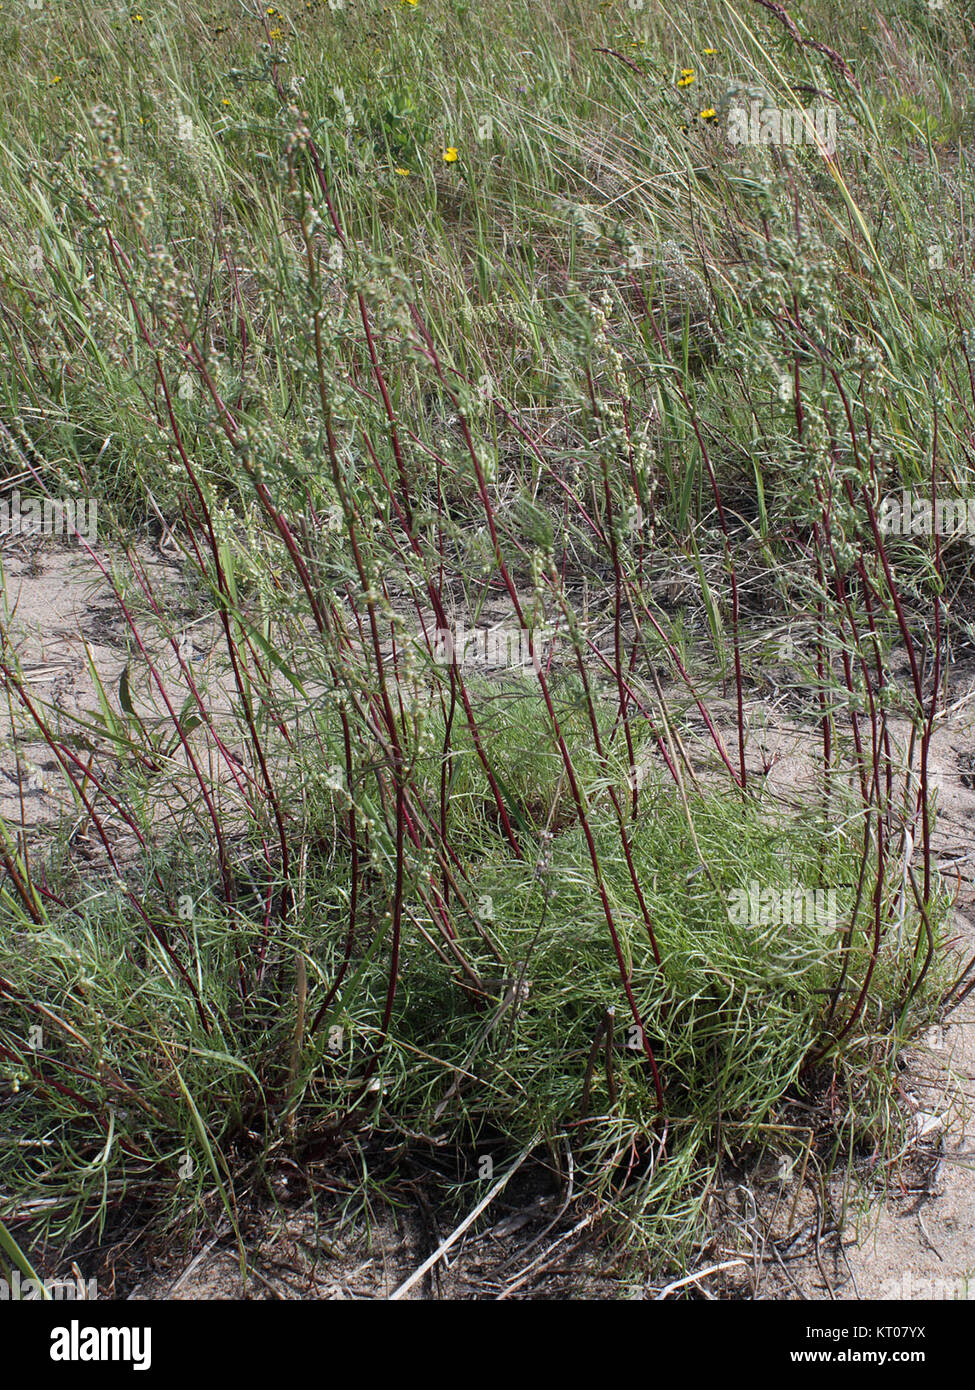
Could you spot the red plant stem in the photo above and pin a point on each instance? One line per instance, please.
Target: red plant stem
(257, 744)
(732, 570)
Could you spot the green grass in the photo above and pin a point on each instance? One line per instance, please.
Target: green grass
(369, 388)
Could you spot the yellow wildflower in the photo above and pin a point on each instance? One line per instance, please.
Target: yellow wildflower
(450, 155)
(403, 173)
(686, 77)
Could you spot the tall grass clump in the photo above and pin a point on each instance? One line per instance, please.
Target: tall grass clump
(412, 342)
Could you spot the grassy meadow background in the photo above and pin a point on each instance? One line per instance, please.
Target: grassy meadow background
(394, 320)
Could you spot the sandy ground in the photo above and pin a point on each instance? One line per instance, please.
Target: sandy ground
(918, 1242)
